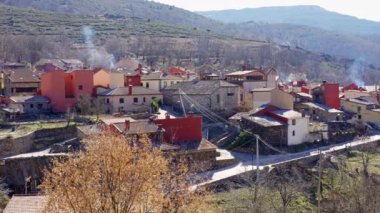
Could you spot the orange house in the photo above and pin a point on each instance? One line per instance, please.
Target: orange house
(65, 88)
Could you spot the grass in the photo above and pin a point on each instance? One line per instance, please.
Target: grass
(28, 128)
(355, 161)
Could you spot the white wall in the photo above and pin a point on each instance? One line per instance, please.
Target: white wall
(301, 130)
(250, 85)
(116, 80)
(153, 84)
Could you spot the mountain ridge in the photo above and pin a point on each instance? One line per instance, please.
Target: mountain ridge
(307, 15)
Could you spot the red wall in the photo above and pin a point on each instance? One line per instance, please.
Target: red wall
(85, 78)
(180, 130)
(305, 89)
(62, 88)
(331, 93)
(134, 80)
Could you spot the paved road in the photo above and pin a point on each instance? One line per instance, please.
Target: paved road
(248, 161)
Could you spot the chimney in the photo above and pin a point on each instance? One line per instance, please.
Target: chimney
(127, 124)
(324, 82)
(167, 116)
(190, 114)
(130, 90)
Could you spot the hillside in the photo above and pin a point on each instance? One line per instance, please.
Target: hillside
(113, 15)
(118, 9)
(27, 35)
(312, 16)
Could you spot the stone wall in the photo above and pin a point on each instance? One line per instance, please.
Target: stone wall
(40, 139)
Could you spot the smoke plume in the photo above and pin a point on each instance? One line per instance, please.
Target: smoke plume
(96, 57)
(356, 71)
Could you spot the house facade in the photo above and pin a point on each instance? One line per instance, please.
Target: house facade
(64, 89)
(327, 94)
(219, 96)
(30, 104)
(362, 109)
(108, 79)
(129, 99)
(20, 81)
(159, 80)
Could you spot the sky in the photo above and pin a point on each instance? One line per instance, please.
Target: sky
(365, 9)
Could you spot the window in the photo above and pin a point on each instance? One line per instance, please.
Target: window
(177, 82)
(144, 99)
(359, 109)
(31, 106)
(218, 98)
(80, 87)
(165, 84)
(121, 100)
(153, 98)
(359, 117)
(230, 94)
(294, 122)
(147, 85)
(314, 112)
(294, 133)
(171, 82)
(241, 97)
(135, 100)
(39, 106)
(107, 100)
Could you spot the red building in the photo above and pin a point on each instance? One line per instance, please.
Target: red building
(352, 86)
(132, 79)
(327, 94)
(65, 88)
(181, 130)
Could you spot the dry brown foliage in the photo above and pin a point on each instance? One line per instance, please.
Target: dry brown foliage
(119, 175)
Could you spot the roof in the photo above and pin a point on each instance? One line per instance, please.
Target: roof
(200, 87)
(322, 107)
(170, 77)
(109, 121)
(262, 89)
(264, 121)
(152, 76)
(26, 204)
(239, 73)
(138, 127)
(360, 101)
(124, 91)
(304, 95)
(29, 99)
(22, 75)
(289, 114)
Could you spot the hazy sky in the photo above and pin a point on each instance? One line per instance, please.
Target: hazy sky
(367, 9)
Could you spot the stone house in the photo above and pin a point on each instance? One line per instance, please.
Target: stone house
(278, 126)
(363, 109)
(30, 104)
(159, 80)
(20, 81)
(320, 112)
(129, 99)
(218, 96)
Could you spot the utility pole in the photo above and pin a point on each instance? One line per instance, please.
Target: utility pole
(319, 180)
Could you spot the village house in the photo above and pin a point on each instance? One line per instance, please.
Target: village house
(182, 136)
(320, 112)
(362, 109)
(29, 104)
(129, 99)
(159, 80)
(327, 94)
(280, 127)
(253, 79)
(219, 96)
(271, 96)
(64, 89)
(44, 65)
(20, 81)
(108, 78)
